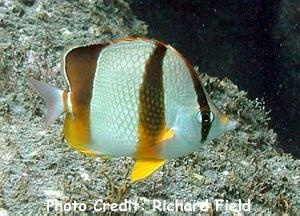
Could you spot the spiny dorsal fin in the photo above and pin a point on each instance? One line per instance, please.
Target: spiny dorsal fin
(53, 98)
(144, 168)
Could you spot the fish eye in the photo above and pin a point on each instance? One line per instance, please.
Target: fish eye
(206, 117)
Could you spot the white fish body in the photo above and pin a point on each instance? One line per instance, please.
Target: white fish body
(135, 97)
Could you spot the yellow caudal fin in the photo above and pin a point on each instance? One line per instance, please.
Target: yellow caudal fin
(144, 168)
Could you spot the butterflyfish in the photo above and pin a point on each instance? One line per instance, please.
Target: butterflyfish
(133, 97)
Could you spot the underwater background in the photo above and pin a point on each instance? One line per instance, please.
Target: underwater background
(254, 43)
(248, 55)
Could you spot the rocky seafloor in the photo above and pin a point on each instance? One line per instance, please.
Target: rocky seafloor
(36, 165)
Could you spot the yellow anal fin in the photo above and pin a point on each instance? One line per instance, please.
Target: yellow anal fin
(144, 168)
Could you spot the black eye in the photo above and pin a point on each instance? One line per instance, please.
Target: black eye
(207, 117)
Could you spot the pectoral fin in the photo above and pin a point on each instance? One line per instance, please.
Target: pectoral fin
(167, 134)
(144, 168)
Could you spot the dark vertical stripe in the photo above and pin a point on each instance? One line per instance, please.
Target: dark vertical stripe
(80, 68)
(201, 98)
(151, 122)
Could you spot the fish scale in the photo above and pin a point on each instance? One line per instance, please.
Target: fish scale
(123, 67)
(133, 97)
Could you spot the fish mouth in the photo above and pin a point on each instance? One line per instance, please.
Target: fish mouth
(228, 123)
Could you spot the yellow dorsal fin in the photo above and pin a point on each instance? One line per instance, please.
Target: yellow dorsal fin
(144, 168)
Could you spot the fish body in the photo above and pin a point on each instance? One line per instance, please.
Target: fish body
(133, 97)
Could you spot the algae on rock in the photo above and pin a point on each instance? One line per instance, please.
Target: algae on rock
(37, 166)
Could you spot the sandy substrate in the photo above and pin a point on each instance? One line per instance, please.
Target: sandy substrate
(37, 166)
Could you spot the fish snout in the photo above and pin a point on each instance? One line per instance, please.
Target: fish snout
(232, 125)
